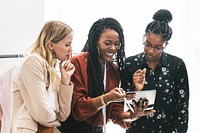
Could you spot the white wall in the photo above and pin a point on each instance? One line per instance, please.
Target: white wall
(20, 24)
(133, 16)
(190, 48)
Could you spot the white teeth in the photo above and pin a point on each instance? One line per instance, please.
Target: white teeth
(110, 54)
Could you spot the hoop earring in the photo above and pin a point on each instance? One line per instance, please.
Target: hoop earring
(98, 51)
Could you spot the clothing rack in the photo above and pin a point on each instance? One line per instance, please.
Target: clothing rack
(12, 56)
(18, 55)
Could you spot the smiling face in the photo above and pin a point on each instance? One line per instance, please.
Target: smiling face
(108, 44)
(63, 48)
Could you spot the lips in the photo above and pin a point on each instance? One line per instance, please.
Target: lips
(150, 56)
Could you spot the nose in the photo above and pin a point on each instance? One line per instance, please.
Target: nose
(151, 49)
(70, 49)
(113, 47)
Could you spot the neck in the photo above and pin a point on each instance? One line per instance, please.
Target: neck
(153, 64)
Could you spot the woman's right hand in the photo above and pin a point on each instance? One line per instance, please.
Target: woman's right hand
(66, 69)
(139, 79)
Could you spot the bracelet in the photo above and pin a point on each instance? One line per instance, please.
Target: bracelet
(102, 101)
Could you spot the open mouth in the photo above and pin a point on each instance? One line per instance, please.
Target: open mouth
(110, 54)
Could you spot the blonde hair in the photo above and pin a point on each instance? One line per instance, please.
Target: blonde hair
(52, 31)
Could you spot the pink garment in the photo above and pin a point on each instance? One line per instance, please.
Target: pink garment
(5, 84)
(0, 118)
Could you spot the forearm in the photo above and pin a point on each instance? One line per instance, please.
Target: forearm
(65, 98)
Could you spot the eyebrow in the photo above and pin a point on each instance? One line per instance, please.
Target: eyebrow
(159, 45)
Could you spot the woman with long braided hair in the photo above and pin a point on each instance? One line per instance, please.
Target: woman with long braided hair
(165, 73)
(97, 95)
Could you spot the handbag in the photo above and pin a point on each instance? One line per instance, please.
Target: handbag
(44, 129)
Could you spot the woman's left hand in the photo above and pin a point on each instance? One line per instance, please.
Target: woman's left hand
(140, 109)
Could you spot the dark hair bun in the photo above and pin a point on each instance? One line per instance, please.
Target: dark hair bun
(163, 14)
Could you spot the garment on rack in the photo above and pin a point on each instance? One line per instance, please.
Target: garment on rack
(12, 56)
(5, 84)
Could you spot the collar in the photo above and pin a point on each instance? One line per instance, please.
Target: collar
(163, 60)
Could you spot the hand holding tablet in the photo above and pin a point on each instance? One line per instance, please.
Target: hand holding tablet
(149, 95)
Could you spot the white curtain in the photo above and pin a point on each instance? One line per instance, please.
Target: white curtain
(190, 48)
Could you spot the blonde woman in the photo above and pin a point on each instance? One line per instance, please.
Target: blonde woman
(40, 95)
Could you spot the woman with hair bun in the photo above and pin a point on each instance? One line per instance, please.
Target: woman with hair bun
(164, 72)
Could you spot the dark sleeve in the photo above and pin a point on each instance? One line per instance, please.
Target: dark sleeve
(182, 94)
(126, 77)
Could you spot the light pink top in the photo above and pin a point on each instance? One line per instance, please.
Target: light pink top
(5, 84)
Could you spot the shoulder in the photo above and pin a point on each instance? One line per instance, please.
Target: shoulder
(135, 60)
(81, 57)
(33, 62)
(173, 62)
(136, 57)
(33, 58)
(171, 59)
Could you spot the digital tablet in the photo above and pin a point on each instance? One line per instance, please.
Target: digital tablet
(149, 95)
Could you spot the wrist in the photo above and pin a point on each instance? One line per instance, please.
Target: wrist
(106, 98)
(103, 102)
(138, 88)
(65, 83)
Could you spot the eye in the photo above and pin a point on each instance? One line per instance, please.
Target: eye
(68, 44)
(117, 43)
(147, 44)
(158, 48)
(107, 42)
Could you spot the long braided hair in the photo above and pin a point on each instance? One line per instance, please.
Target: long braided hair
(94, 71)
(160, 24)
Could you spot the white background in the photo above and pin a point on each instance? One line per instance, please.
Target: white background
(21, 21)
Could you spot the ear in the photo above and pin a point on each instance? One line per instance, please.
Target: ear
(50, 45)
